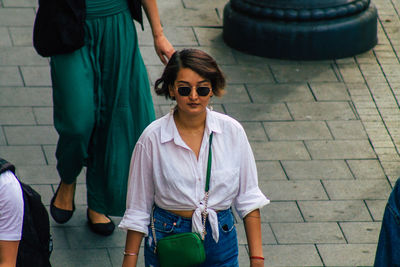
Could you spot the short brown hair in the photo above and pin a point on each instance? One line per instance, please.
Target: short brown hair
(196, 60)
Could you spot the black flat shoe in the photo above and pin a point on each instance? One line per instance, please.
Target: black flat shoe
(60, 215)
(101, 228)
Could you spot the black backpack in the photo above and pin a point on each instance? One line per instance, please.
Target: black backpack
(36, 243)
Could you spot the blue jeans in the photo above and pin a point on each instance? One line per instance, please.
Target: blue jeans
(223, 253)
(388, 250)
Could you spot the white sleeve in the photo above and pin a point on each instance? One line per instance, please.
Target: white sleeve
(249, 196)
(11, 207)
(140, 196)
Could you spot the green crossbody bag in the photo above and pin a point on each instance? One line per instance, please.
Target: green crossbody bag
(185, 249)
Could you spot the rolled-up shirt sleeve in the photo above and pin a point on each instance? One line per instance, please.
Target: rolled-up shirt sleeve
(140, 195)
(249, 197)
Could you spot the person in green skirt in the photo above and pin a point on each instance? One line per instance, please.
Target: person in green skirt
(102, 103)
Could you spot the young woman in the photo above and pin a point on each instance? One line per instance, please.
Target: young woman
(168, 170)
(102, 100)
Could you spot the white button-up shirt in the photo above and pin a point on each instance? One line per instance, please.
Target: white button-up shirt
(166, 172)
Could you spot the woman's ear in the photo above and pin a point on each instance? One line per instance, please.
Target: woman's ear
(171, 91)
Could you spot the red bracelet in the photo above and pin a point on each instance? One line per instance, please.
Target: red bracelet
(256, 258)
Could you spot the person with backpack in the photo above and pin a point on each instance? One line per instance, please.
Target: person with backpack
(11, 217)
(25, 238)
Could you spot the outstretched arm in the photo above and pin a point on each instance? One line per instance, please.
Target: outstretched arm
(162, 46)
(252, 226)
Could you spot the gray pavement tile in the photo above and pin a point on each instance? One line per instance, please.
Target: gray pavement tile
(194, 4)
(17, 16)
(25, 96)
(302, 73)
(361, 232)
(31, 135)
(377, 208)
(293, 190)
(154, 72)
(59, 238)
(23, 155)
(288, 92)
(267, 235)
(334, 211)
(297, 130)
(44, 190)
(209, 36)
(391, 167)
(50, 152)
(364, 169)
(149, 56)
(281, 211)
(20, 3)
(14, 56)
(5, 39)
(317, 169)
(387, 154)
(223, 55)
(83, 238)
(370, 189)
(3, 141)
(116, 256)
(248, 59)
(80, 257)
(347, 254)
(347, 130)
(43, 116)
(21, 36)
(36, 75)
(234, 93)
(291, 255)
(321, 111)
(243, 256)
(258, 112)
(280, 150)
(254, 131)
(38, 174)
(270, 170)
(340, 149)
(10, 76)
(16, 116)
(180, 36)
(247, 74)
(330, 91)
(308, 233)
(350, 73)
(189, 17)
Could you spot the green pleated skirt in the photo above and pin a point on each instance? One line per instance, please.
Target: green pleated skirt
(102, 103)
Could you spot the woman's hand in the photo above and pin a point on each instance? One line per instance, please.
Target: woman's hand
(163, 47)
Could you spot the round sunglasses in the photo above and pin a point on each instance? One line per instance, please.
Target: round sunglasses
(201, 90)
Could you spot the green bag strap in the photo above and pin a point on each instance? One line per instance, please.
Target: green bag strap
(209, 164)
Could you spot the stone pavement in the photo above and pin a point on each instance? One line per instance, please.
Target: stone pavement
(325, 134)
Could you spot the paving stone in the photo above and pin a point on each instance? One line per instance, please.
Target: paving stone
(14, 56)
(377, 208)
(258, 112)
(350, 73)
(149, 56)
(272, 93)
(44, 190)
(116, 256)
(17, 16)
(223, 55)
(38, 174)
(293, 190)
(234, 93)
(23, 155)
(279, 150)
(21, 36)
(36, 76)
(25, 96)
(347, 254)
(180, 36)
(254, 131)
(243, 256)
(209, 36)
(31, 135)
(20, 3)
(307, 233)
(334, 211)
(358, 189)
(361, 232)
(347, 130)
(300, 73)
(267, 235)
(16, 116)
(339, 149)
(247, 74)
(80, 237)
(281, 211)
(80, 257)
(43, 116)
(291, 255)
(297, 130)
(270, 170)
(364, 169)
(317, 169)
(189, 17)
(330, 91)
(321, 111)
(49, 152)
(3, 141)
(59, 238)
(154, 72)
(5, 39)
(10, 76)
